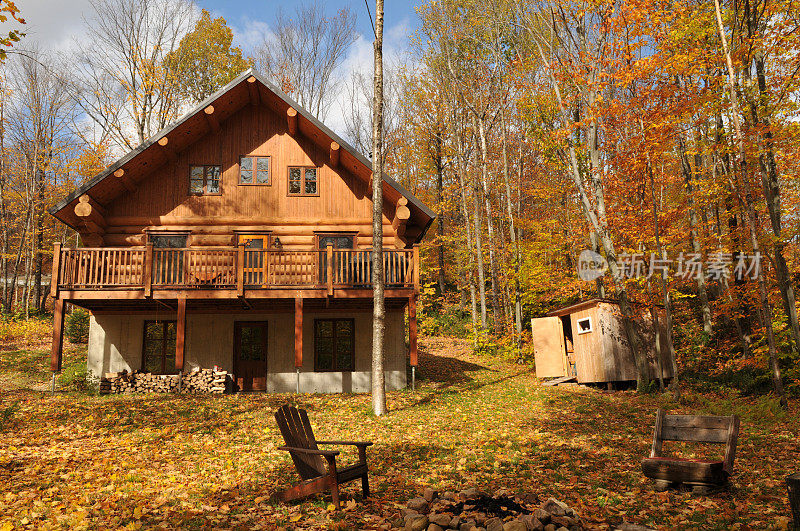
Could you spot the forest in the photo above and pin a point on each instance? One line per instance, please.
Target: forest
(660, 135)
(640, 152)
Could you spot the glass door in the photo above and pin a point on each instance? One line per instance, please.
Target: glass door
(255, 273)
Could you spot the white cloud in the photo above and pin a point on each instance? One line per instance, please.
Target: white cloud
(249, 34)
(52, 24)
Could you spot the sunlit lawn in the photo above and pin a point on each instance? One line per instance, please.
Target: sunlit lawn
(79, 460)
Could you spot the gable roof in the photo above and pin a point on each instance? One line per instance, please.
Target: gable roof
(139, 162)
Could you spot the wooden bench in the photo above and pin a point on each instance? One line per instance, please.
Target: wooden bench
(701, 475)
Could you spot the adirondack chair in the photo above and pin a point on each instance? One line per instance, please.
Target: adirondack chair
(701, 475)
(308, 458)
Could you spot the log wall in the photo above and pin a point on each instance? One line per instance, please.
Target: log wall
(162, 200)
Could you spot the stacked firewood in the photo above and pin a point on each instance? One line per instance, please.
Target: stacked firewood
(197, 381)
(205, 381)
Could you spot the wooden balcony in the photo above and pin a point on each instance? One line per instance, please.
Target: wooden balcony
(220, 272)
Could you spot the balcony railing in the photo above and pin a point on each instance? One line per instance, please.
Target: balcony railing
(239, 268)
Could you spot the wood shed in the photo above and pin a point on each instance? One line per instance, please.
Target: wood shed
(587, 341)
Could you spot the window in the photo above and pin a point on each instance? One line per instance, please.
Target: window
(176, 240)
(254, 170)
(204, 180)
(584, 325)
(303, 181)
(334, 345)
(158, 348)
(339, 241)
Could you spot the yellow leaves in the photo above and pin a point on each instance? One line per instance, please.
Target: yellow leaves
(6, 526)
(296, 517)
(137, 513)
(331, 507)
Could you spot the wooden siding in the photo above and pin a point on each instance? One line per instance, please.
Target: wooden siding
(590, 363)
(162, 201)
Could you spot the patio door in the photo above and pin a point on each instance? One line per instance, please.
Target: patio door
(250, 355)
(254, 270)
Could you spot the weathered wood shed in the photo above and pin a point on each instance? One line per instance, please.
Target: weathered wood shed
(587, 340)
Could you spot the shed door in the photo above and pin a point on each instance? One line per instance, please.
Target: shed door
(548, 347)
(250, 355)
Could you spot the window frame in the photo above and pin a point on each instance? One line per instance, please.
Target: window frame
(205, 179)
(335, 367)
(163, 341)
(582, 330)
(352, 234)
(254, 170)
(303, 180)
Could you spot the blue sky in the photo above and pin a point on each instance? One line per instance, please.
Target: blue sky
(396, 12)
(56, 24)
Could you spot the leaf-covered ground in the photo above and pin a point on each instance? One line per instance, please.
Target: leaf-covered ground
(80, 461)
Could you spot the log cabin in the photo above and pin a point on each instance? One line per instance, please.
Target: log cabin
(240, 237)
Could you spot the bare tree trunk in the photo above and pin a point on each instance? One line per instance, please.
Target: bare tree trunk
(4, 246)
(378, 315)
(489, 222)
(688, 180)
(440, 200)
(676, 390)
(512, 230)
(462, 170)
(38, 240)
(744, 186)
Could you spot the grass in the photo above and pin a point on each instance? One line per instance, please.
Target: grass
(75, 460)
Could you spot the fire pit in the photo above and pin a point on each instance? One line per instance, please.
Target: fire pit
(471, 509)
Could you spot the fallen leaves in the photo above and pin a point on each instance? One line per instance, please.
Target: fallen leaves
(78, 461)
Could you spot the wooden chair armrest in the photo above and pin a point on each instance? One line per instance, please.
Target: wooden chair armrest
(325, 453)
(347, 443)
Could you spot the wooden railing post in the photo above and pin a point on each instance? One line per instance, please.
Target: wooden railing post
(240, 270)
(329, 251)
(147, 270)
(54, 280)
(416, 268)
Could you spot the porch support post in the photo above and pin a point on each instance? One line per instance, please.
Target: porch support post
(56, 270)
(412, 338)
(298, 338)
(58, 337)
(180, 340)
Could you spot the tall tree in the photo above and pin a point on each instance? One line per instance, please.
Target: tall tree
(122, 81)
(378, 281)
(305, 50)
(205, 61)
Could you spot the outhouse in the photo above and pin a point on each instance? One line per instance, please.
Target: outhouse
(587, 341)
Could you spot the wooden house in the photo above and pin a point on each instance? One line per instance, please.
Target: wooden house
(240, 237)
(587, 341)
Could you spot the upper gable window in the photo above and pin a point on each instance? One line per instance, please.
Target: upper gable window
(303, 181)
(254, 170)
(205, 180)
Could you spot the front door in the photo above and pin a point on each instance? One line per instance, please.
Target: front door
(250, 355)
(254, 272)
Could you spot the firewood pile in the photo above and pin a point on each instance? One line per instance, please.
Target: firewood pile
(473, 510)
(198, 381)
